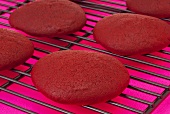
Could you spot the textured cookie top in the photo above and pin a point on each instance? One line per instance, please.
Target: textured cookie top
(79, 77)
(157, 8)
(48, 18)
(15, 49)
(129, 34)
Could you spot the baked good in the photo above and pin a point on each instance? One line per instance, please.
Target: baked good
(15, 49)
(48, 18)
(79, 77)
(131, 34)
(157, 8)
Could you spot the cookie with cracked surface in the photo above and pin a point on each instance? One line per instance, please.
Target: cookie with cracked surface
(131, 34)
(156, 8)
(15, 49)
(48, 18)
(80, 77)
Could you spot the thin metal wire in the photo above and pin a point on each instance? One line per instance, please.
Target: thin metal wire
(101, 6)
(125, 107)
(111, 2)
(36, 101)
(148, 72)
(165, 52)
(157, 102)
(144, 91)
(14, 1)
(96, 110)
(7, 5)
(17, 107)
(101, 10)
(50, 44)
(150, 82)
(3, 17)
(18, 82)
(136, 99)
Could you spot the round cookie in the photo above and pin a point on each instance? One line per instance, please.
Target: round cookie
(79, 77)
(15, 49)
(131, 34)
(48, 18)
(157, 8)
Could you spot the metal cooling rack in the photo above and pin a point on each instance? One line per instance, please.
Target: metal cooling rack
(97, 9)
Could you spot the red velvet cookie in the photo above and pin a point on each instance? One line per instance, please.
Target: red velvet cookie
(79, 77)
(130, 34)
(15, 49)
(48, 18)
(157, 8)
